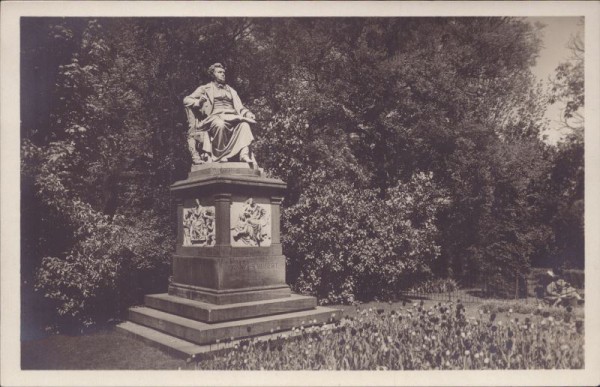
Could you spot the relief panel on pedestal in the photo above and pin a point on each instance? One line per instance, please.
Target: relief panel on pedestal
(250, 224)
(199, 226)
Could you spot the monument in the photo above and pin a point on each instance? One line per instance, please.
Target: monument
(228, 278)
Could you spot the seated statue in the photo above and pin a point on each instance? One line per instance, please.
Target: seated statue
(560, 292)
(219, 124)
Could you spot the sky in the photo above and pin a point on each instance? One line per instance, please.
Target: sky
(556, 36)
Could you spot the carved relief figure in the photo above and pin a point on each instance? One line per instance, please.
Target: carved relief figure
(199, 226)
(219, 124)
(252, 227)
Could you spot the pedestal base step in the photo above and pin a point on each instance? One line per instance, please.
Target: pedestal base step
(170, 344)
(212, 313)
(185, 349)
(228, 297)
(198, 332)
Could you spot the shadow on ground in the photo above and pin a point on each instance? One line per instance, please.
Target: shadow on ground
(105, 350)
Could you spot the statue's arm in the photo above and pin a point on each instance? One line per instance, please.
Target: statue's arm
(196, 99)
(244, 112)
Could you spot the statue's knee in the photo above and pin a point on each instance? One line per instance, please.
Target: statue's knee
(218, 124)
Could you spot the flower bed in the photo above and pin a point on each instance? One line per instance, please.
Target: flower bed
(416, 337)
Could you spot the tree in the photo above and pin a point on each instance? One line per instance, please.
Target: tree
(568, 174)
(101, 159)
(444, 95)
(568, 88)
(402, 141)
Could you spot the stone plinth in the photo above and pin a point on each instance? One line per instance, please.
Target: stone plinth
(241, 260)
(211, 313)
(228, 267)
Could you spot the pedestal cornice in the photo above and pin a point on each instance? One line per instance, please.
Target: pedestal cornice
(223, 177)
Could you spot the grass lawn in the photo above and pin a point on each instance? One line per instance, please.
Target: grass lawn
(105, 350)
(113, 350)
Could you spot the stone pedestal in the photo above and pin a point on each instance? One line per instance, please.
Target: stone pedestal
(228, 268)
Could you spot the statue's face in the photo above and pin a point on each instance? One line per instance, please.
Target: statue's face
(219, 75)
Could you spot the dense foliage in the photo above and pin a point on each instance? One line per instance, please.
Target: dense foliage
(439, 337)
(411, 147)
(568, 175)
(346, 239)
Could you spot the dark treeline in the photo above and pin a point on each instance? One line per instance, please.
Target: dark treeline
(411, 147)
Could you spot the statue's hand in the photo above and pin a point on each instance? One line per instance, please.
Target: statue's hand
(200, 101)
(250, 115)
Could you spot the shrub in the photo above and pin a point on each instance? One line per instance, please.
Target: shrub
(111, 261)
(531, 308)
(575, 277)
(105, 273)
(349, 244)
(503, 284)
(438, 285)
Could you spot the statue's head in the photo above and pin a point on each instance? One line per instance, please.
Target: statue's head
(217, 72)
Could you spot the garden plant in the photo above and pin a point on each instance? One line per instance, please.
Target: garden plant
(415, 158)
(419, 337)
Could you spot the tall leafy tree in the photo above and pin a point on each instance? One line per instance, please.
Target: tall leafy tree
(431, 121)
(568, 174)
(442, 95)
